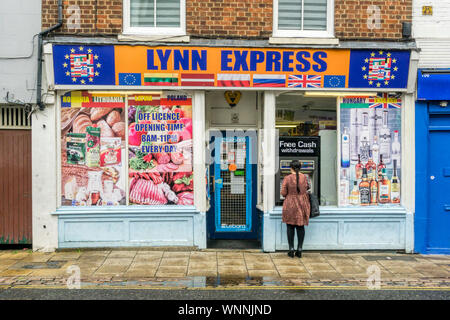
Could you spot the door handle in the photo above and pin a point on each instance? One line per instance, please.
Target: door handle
(447, 207)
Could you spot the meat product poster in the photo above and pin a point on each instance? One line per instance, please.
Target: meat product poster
(160, 149)
(93, 128)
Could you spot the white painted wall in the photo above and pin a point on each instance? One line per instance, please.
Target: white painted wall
(219, 112)
(432, 33)
(20, 20)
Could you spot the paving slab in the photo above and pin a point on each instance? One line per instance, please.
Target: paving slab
(230, 255)
(17, 255)
(122, 254)
(174, 261)
(260, 265)
(231, 262)
(232, 270)
(202, 272)
(58, 256)
(176, 254)
(201, 264)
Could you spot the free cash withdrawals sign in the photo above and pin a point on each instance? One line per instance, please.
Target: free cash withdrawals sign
(122, 65)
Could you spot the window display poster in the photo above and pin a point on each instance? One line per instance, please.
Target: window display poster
(370, 164)
(160, 149)
(92, 149)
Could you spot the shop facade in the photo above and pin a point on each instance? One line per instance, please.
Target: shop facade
(178, 145)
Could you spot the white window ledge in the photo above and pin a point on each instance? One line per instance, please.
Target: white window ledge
(319, 41)
(156, 38)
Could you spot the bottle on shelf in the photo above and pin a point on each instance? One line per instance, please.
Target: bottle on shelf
(344, 187)
(375, 149)
(345, 149)
(354, 195)
(373, 188)
(354, 130)
(385, 138)
(364, 189)
(384, 188)
(395, 185)
(381, 165)
(370, 166)
(396, 149)
(364, 142)
(358, 168)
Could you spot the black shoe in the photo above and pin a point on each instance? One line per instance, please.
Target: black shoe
(291, 253)
(298, 253)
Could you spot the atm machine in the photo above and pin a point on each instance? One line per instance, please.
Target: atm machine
(307, 151)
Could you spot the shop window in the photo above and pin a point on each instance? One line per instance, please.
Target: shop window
(126, 149)
(370, 155)
(303, 18)
(154, 17)
(307, 132)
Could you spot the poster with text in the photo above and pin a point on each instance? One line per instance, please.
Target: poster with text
(370, 164)
(160, 149)
(92, 149)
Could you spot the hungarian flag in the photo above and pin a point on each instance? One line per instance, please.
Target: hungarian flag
(160, 79)
(233, 80)
(197, 79)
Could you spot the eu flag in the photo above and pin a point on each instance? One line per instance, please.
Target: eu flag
(129, 79)
(378, 69)
(334, 81)
(84, 64)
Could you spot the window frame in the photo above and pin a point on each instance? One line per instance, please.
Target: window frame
(328, 33)
(129, 30)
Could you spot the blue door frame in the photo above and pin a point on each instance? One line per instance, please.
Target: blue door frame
(252, 229)
(432, 214)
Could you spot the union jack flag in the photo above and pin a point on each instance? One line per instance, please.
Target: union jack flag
(305, 81)
(81, 65)
(384, 102)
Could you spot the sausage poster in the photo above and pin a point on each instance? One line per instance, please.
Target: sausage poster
(160, 149)
(93, 130)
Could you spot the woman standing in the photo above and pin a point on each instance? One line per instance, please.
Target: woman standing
(296, 206)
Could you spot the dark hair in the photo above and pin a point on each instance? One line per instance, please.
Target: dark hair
(296, 166)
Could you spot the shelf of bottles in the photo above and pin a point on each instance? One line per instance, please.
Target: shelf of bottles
(370, 157)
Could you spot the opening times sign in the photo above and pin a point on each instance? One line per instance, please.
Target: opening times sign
(123, 65)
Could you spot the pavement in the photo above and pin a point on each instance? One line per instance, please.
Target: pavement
(175, 268)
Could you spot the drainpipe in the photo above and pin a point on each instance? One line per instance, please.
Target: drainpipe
(39, 102)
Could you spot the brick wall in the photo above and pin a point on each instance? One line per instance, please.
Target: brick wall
(96, 16)
(250, 19)
(351, 17)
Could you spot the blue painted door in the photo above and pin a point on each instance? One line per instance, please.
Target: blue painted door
(233, 189)
(438, 228)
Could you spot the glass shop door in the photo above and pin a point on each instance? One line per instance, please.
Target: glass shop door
(232, 189)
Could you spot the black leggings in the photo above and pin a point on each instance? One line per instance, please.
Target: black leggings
(300, 236)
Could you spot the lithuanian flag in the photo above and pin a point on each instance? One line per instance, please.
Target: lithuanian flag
(160, 79)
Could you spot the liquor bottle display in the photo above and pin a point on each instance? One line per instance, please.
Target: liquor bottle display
(358, 168)
(364, 189)
(385, 139)
(373, 189)
(396, 148)
(364, 140)
(370, 166)
(384, 187)
(354, 195)
(395, 185)
(344, 187)
(381, 165)
(345, 149)
(370, 150)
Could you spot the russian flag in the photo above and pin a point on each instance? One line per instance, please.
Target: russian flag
(269, 80)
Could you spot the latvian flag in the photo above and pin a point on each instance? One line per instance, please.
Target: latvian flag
(197, 79)
(269, 80)
(305, 81)
(160, 79)
(233, 80)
